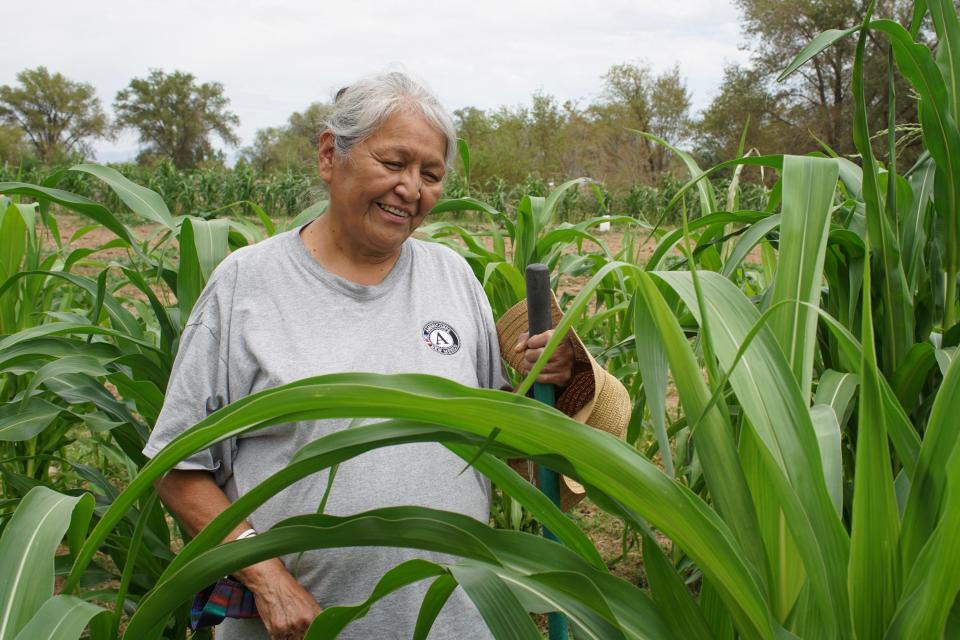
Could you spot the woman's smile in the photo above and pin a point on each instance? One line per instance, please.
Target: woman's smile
(396, 212)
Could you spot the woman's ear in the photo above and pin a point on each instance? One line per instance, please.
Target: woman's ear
(325, 155)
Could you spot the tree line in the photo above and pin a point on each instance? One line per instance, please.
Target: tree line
(47, 117)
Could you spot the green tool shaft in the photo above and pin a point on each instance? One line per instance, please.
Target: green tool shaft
(540, 319)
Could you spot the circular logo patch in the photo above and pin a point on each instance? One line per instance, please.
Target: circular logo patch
(441, 337)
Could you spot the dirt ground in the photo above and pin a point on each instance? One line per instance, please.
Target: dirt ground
(79, 233)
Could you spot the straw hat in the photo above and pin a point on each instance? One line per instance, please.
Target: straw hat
(593, 396)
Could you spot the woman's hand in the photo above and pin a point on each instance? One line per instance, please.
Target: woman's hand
(285, 607)
(559, 368)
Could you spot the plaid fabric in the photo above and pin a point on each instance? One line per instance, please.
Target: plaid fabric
(227, 598)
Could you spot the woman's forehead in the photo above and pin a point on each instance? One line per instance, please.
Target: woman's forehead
(409, 134)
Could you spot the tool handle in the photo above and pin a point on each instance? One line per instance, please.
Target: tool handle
(540, 319)
(538, 298)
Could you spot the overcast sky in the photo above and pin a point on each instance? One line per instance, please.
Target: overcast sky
(275, 57)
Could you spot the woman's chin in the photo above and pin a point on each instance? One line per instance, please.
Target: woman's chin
(387, 243)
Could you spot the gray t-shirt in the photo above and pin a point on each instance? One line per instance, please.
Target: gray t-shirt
(269, 315)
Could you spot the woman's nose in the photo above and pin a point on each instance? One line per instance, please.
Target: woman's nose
(409, 186)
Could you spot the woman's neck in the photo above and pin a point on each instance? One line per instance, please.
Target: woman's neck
(333, 250)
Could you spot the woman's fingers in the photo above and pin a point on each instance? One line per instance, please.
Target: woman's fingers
(285, 607)
(558, 369)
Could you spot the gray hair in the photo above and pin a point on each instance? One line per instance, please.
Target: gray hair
(361, 108)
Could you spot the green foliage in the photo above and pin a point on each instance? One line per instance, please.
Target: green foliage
(806, 330)
(554, 141)
(814, 106)
(176, 117)
(292, 147)
(13, 146)
(57, 115)
(197, 191)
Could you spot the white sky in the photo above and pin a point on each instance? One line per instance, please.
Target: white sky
(277, 56)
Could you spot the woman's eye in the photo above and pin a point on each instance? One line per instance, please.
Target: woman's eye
(389, 164)
(431, 177)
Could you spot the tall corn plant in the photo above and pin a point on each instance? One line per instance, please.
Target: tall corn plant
(83, 363)
(508, 573)
(764, 531)
(762, 522)
(531, 236)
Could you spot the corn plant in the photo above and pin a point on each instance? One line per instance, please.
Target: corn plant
(810, 488)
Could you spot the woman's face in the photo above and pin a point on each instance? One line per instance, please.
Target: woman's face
(382, 190)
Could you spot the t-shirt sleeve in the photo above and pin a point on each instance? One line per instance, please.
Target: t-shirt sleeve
(491, 373)
(198, 383)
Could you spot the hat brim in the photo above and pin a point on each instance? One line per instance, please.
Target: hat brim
(594, 396)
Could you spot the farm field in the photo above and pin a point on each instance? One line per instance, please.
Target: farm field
(606, 533)
(790, 469)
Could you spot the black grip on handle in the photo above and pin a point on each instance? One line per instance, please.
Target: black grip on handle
(538, 298)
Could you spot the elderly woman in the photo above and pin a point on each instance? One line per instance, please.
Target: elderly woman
(350, 291)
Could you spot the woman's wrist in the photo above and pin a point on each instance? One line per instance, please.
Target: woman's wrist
(263, 574)
(248, 533)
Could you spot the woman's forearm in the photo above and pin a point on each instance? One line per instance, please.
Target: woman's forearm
(196, 499)
(286, 609)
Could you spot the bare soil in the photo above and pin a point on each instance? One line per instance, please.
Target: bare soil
(76, 232)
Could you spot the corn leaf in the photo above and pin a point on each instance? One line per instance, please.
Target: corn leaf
(499, 607)
(670, 239)
(437, 595)
(708, 199)
(875, 577)
(61, 618)
(120, 317)
(672, 595)
(81, 205)
(22, 421)
(27, 548)
(929, 481)
(594, 458)
(13, 248)
(333, 620)
(896, 303)
(947, 26)
(513, 558)
(808, 186)
(142, 201)
(770, 398)
(750, 238)
(913, 232)
(546, 214)
(835, 390)
(827, 426)
(210, 241)
(933, 574)
(818, 44)
(315, 210)
(713, 434)
(190, 278)
(652, 360)
(941, 136)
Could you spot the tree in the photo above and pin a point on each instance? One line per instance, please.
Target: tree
(745, 100)
(13, 148)
(636, 99)
(816, 100)
(57, 115)
(176, 117)
(292, 146)
(551, 141)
